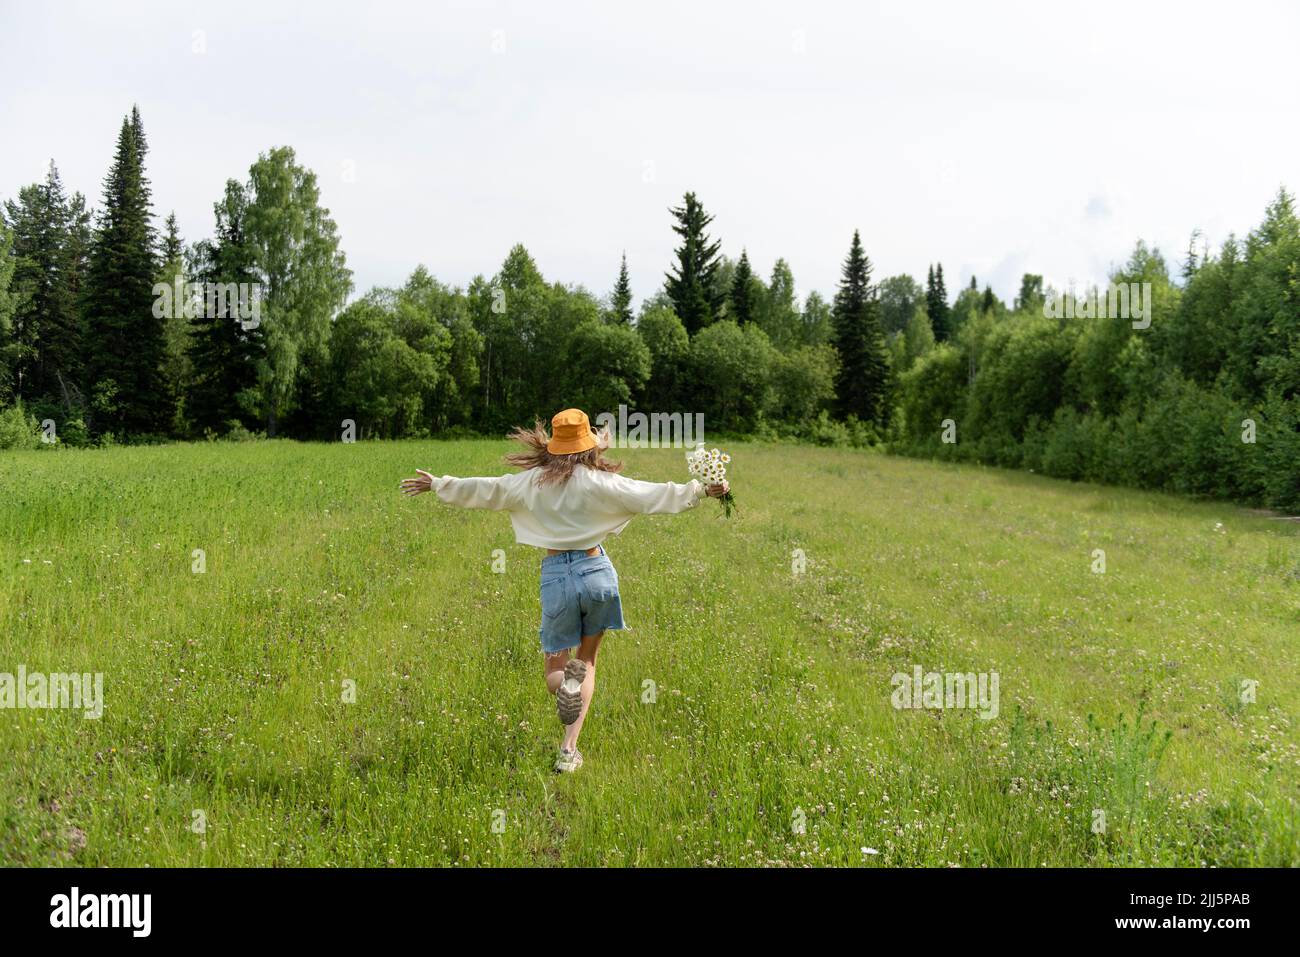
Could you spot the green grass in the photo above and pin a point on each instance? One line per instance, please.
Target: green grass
(772, 692)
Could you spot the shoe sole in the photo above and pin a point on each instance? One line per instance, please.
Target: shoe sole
(568, 704)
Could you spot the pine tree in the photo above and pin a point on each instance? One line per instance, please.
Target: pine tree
(936, 304)
(76, 269)
(171, 247)
(690, 285)
(48, 338)
(127, 339)
(8, 305)
(864, 383)
(1190, 264)
(176, 361)
(741, 295)
(620, 301)
(222, 353)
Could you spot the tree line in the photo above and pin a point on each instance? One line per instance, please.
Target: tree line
(1204, 399)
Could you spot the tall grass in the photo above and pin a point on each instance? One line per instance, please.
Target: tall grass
(744, 719)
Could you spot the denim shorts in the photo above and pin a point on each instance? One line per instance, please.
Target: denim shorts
(579, 598)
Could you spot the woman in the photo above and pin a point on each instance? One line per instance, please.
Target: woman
(567, 499)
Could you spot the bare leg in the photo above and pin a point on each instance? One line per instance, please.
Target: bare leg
(555, 663)
(587, 651)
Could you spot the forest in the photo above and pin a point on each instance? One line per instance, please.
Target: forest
(1201, 396)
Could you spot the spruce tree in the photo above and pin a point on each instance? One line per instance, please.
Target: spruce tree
(126, 338)
(620, 301)
(81, 236)
(690, 285)
(171, 247)
(936, 304)
(741, 296)
(8, 305)
(1190, 263)
(222, 354)
(176, 363)
(863, 385)
(48, 343)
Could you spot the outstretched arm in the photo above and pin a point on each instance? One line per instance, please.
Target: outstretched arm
(494, 493)
(660, 498)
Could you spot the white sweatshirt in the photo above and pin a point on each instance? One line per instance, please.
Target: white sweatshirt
(575, 514)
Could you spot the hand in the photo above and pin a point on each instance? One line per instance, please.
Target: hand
(414, 486)
(717, 491)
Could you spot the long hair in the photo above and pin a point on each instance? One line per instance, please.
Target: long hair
(556, 469)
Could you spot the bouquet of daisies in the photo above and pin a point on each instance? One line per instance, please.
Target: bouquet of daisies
(710, 467)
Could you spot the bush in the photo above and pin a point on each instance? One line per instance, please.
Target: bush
(238, 433)
(1074, 447)
(18, 430)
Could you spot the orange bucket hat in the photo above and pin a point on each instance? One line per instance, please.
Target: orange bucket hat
(570, 433)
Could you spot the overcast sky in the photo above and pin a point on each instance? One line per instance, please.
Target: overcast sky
(996, 138)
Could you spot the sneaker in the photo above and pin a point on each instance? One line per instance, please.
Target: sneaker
(568, 699)
(568, 761)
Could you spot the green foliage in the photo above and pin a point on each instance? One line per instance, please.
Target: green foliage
(296, 250)
(388, 360)
(864, 384)
(934, 391)
(128, 338)
(746, 295)
(222, 351)
(731, 375)
(917, 336)
(43, 350)
(1021, 376)
(620, 300)
(936, 304)
(669, 346)
(451, 404)
(607, 365)
(18, 429)
(899, 298)
(8, 306)
(1030, 298)
(779, 313)
(690, 285)
(1203, 401)
(803, 382)
(818, 321)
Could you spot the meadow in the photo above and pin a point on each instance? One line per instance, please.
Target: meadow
(340, 677)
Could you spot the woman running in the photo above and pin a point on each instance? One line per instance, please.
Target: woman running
(566, 500)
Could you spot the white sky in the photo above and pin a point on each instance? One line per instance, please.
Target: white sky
(996, 138)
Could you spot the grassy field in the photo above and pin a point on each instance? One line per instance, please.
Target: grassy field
(745, 719)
